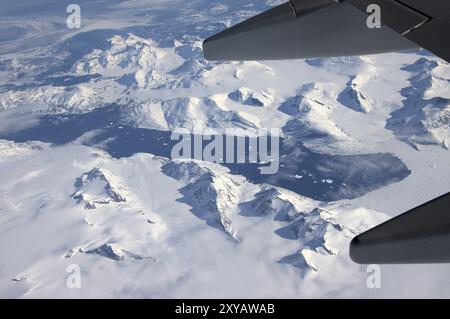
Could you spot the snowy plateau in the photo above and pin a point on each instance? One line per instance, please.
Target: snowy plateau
(87, 178)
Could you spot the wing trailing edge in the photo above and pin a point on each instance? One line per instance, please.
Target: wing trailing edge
(304, 29)
(419, 236)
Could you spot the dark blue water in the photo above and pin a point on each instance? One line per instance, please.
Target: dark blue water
(349, 176)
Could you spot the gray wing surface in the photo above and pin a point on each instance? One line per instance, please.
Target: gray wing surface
(329, 28)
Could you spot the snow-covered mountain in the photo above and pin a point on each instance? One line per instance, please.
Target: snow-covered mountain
(312, 108)
(425, 115)
(248, 97)
(210, 193)
(99, 187)
(85, 118)
(133, 61)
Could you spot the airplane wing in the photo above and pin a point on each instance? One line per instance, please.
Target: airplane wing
(419, 236)
(328, 28)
